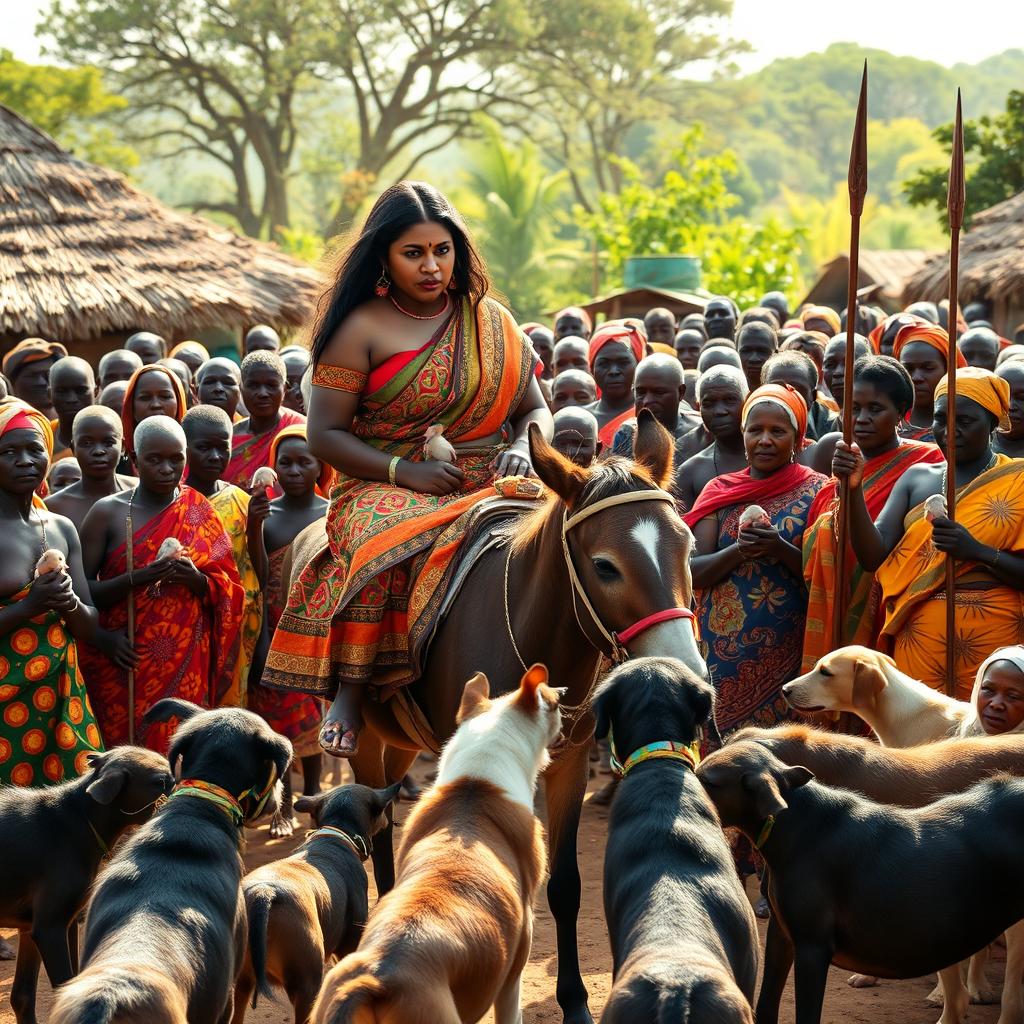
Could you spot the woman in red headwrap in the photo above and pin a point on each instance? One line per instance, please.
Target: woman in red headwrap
(923, 349)
(747, 570)
(615, 350)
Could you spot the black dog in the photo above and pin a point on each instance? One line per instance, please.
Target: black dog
(54, 840)
(313, 905)
(165, 932)
(881, 890)
(683, 935)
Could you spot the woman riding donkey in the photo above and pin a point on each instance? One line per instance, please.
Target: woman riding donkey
(407, 339)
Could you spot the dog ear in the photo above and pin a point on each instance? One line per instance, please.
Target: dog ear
(603, 711)
(797, 776)
(107, 785)
(653, 448)
(278, 749)
(768, 800)
(181, 747)
(534, 677)
(384, 797)
(475, 698)
(311, 805)
(563, 477)
(171, 707)
(868, 682)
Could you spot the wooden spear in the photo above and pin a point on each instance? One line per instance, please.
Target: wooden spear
(858, 185)
(956, 197)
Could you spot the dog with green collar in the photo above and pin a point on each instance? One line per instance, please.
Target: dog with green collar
(683, 935)
(174, 887)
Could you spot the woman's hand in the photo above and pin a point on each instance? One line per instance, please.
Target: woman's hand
(155, 572)
(430, 477)
(117, 647)
(52, 592)
(184, 571)
(259, 507)
(848, 462)
(757, 542)
(955, 539)
(514, 461)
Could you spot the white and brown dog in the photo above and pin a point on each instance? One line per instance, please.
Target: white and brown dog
(452, 938)
(901, 711)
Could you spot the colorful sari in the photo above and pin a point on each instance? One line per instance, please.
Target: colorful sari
(250, 451)
(187, 646)
(295, 715)
(907, 430)
(606, 435)
(753, 620)
(913, 581)
(232, 506)
(348, 616)
(48, 729)
(821, 555)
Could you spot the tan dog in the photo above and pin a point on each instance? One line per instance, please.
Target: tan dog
(901, 711)
(312, 905)
(452, 938)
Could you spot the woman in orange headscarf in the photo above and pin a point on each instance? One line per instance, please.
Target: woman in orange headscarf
(153, 390)
(907, 545)
(748, 576)
(923, 349)
(615, 350)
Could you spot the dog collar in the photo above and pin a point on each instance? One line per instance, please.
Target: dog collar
(766, 831)
(216, 795)
(357, 842)
(687, 753)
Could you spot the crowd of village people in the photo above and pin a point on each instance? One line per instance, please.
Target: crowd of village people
(144, 474)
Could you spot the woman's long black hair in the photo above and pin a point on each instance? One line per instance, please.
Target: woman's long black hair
(398, 209)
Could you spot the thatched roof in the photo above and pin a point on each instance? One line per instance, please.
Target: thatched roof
(991, 259)
(881, 275)
(83, 253)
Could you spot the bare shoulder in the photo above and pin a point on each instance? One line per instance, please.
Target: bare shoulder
(113, 504)
(351, 343)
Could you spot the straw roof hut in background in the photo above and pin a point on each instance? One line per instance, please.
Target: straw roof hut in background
(86, 259)
(881, 277)
(991, 266)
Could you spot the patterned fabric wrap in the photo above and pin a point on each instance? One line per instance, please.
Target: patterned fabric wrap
(348, 616)
(911, 433)
(187, 646)
(47, 728)
(250, 451)
(232, 506)
(913, 581)
(753, 620)
(821, 555)
(294, 715)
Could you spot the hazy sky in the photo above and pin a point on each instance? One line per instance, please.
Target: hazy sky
(776, 28)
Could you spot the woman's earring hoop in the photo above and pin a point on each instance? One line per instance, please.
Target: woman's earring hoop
(383, 285)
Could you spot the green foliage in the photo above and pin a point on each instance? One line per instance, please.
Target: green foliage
(994, 149)
(690, 212)
(71, 104)
(512, 203)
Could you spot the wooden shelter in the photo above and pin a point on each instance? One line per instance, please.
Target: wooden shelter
(881, 277)
(87, 259)
(637, 301)
(991, 266)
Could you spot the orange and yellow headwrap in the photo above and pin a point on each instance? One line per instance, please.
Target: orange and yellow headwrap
(325, 481)
(930, 334)
(981, 386)
(826, 313)
(783, 396)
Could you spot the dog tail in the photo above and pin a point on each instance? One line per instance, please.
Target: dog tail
(113, 995)
(353, 1001)
(259, 901)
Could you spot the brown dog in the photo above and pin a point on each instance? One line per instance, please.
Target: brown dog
(901, 710)
(312, 905)
(452, 938)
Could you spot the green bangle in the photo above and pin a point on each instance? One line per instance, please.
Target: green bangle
(391, 470)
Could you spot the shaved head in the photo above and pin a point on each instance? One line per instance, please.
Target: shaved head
(71, 366)
(262, 337)
(663, 366)
(158, 428)
(98, 412)
(117, 365)
(571, 353)
(575, 435)
(112, 396)
(723, 377)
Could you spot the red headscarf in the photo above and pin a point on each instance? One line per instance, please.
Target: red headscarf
(617, 330)
(578, 312)
(930, 334)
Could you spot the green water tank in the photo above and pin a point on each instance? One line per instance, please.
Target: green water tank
(674, 273)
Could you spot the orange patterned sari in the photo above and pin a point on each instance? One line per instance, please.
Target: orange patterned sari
(348, 614)
(188, 646)
(250, 451)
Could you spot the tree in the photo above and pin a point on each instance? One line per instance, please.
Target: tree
(512, 203)
(71, 104)
(994, 148)
(604, 68)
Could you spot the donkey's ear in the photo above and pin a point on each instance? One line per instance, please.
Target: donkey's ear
(653, 448)
(563, 477)
(475, 698)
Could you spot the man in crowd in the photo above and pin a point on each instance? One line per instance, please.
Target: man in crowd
(27, 367)
(117, 365)
(573, 388)
(149, 347)
(575, 435)
(570, 353)
(261, 338)
(755, 344)
(543, 342)
(799, 372)
(660, 325)
(720, 317)
(573, 322)
(688, 344)
(72, 388)
(980, 347)
(833, 365)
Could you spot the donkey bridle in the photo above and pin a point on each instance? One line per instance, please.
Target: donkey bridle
(616, 641)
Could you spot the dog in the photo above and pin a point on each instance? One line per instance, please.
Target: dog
(314, 904)
(683, 935)
(54, 841)
(854, 883)
(901, 711)
(174, 888)
(451, 939)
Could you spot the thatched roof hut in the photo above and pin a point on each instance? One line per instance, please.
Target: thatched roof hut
(991, 266)
(881, 277)
(85, 255)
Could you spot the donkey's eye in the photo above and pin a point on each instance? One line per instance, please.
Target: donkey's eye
(605, 569)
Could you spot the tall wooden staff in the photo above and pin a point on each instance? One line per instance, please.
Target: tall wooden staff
(955, 199)
(858, 186)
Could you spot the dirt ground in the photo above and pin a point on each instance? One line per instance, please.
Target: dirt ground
(890, 1003)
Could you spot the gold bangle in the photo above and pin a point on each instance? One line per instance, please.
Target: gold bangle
(391, 470)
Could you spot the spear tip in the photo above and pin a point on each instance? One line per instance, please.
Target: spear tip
(858, 176)
(956, 198)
